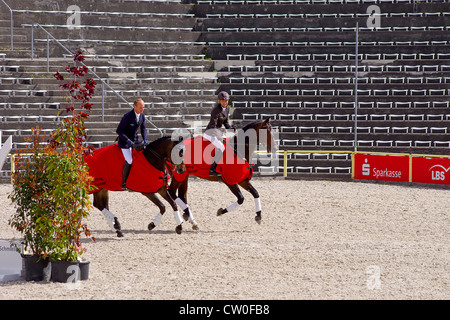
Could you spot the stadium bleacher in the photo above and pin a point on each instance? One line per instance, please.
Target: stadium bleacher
(291, 60)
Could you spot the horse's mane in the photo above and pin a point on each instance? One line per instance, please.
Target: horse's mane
(158, 141)
(250, 125)
(155, 144)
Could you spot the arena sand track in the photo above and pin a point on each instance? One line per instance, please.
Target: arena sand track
(318, 240)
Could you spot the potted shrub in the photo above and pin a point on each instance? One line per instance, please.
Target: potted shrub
(34, 214)
(69, 174)
(65, 180)
(68, 190)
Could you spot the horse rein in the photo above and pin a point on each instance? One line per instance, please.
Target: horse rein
(165, 159)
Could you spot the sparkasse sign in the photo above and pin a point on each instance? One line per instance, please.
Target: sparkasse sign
(381, 167)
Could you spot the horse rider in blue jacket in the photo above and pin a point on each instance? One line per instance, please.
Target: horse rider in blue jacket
(128, 135)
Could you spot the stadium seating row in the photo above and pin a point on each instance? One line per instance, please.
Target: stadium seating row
(431, 67)
(340, 92)
(340, 104)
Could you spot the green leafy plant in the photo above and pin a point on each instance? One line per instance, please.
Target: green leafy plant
(35, 208)
(51, 188)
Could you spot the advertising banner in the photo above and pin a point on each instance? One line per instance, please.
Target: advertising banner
(431, 170)
(381, 167)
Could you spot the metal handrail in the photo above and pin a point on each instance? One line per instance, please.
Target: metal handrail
(12, 24)
(49, 35)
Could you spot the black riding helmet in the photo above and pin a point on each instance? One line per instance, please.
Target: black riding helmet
(223, 95)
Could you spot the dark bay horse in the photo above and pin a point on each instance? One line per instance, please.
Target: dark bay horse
(244, 144)
(157, 154)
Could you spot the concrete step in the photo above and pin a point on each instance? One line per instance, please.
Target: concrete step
(91, 35)
(61, 19)
(318, 8)
(319, 22)
(217, 52)
(105, 48)
(104, 6)
(5, 37)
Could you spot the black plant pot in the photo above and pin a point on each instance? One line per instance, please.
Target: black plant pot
(35, 269)
(65, 271)
(84, 270)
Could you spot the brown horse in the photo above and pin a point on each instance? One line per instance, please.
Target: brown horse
(157, 154)
(244, 144)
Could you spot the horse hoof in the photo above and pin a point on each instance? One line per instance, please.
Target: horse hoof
(220, 212)
(151, 226)
(178, 229)
(195, 227)
(117, 224)
(185, 217)
(119, 234)
(258, 219)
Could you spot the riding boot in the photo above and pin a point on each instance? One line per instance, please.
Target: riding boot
(125, 173)
(215, 161)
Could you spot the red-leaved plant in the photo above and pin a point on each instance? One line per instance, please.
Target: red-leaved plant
(58, 168)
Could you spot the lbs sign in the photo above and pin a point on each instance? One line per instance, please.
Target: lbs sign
(431, 170)
(381, 167)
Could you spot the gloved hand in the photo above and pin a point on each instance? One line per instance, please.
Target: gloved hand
(139, 146)
(129, 144)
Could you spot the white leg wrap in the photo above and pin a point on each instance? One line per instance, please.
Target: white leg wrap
(109, 216)
(157, 219)
(191, 216)
(181, 203)
(257, 204)
(183, 207)
(232, 206)
(178, 218)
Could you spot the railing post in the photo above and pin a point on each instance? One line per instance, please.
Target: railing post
(410, 167)
(103, 101)
(48, 53)
(353, 165)
(12, 32)
(32, 41)
(356, 91)
(285, 163)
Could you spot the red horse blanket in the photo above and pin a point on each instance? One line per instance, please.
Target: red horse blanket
(198, 158)
(105, 166)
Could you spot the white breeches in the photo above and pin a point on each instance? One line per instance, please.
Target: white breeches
(216, 142)
(128, 155)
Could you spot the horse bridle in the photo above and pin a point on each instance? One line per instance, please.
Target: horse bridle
(163, 158)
